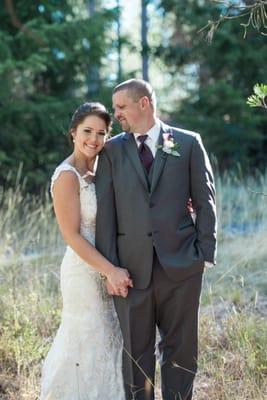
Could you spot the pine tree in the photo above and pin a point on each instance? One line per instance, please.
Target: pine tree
(46, 51)
(220, 77)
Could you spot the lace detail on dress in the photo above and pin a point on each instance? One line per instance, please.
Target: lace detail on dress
(85, 360)
(87, 200)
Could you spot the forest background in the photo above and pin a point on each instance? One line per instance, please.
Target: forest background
(56, 54)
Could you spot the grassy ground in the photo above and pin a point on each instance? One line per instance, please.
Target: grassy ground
(233, 327)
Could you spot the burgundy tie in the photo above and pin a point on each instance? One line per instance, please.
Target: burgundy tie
(145, 153)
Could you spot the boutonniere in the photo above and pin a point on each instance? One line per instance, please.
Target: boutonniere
(169, 146)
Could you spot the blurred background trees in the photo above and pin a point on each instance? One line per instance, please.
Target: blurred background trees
(220, 75)
(51, 53)
(55, 55)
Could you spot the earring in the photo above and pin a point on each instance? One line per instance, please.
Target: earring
(73, 140)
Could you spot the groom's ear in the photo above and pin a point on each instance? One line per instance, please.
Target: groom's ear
(144, 102)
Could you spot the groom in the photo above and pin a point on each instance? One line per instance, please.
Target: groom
(145, 178)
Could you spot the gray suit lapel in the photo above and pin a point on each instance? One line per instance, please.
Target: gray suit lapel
(160, 159)
(132, 153)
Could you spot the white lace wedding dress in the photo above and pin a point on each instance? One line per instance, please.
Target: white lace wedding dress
(84, 362)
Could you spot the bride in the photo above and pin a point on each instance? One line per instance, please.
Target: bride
(84, 362)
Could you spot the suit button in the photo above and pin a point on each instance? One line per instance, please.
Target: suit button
(149, 234)
(151, 205)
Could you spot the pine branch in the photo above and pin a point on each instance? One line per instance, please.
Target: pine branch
(18, 24)
(259, 98)
(254, 191)
(257, 17)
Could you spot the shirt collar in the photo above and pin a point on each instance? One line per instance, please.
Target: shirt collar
(153, 132)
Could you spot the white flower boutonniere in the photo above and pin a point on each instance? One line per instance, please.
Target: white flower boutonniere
(169, 146)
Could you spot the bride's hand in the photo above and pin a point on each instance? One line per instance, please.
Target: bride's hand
(111, 291)
(118, 281)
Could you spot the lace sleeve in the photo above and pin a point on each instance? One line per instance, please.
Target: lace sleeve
(57, 172)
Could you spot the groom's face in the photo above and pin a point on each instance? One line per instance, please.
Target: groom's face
(127, 110)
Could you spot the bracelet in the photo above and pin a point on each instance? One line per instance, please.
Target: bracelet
(102, 276)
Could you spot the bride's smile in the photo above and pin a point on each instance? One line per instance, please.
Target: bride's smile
(89, 137)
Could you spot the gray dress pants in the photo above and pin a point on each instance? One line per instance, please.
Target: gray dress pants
(172, 307)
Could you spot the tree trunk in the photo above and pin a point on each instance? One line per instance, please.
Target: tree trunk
(144, 23)
(91, 7)
(119, 72)
(93, 79)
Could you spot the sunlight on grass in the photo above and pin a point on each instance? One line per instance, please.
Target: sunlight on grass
(233, 329)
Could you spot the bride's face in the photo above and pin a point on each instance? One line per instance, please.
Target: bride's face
(89, 136)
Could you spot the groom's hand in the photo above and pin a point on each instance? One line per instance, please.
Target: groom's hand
(190, 206)
(118, 280)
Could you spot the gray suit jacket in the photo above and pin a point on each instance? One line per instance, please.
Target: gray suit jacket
(137, 213)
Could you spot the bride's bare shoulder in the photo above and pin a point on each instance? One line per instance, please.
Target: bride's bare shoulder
(65, 180)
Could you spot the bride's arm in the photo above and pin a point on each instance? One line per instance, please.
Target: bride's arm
(66, 200)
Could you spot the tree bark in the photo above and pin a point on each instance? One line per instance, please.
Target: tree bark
(119, 73)
(145, 49)
(93, 79)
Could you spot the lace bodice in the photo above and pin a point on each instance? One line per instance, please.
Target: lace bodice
(87, 201)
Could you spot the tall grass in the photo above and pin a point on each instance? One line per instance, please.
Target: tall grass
(233, 328)
(30, 252)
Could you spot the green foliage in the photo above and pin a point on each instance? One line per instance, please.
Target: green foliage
(219, 76)
(258, 98)
(47, 63)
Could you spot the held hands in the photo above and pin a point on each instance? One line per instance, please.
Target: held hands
(118, 281)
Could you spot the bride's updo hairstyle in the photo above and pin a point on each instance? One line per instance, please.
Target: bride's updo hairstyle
(85, 110)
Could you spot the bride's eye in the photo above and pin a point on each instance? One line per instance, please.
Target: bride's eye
(87, 131)
(102, 133)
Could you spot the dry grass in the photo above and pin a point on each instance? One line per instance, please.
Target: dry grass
(233, 328)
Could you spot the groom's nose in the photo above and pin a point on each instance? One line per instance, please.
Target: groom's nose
(117, 114)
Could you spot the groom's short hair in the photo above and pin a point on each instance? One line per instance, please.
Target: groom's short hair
(138, 88)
